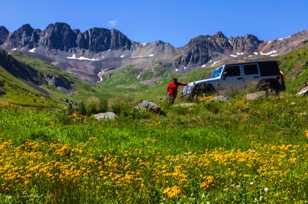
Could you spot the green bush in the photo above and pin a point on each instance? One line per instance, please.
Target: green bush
(93, 105)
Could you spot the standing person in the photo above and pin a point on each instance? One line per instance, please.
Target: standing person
(172, 90)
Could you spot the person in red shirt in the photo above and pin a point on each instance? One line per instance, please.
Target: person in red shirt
(172, 90)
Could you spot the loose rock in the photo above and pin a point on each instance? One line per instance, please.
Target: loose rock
(105, 116)
(255, 95)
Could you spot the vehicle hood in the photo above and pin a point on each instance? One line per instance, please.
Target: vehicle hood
(190, 86)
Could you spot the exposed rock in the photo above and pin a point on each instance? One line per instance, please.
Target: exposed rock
(303, 91)
(4, 33)
(101, 39)
(149, 106)
(24, 37)
(105, 116)
(59, 82)
(58, 36)
(255, 95)
(202, 49)
(247, 43)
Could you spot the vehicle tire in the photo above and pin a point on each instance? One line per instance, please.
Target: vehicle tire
(271, 85)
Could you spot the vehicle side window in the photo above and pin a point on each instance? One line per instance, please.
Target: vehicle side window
(251, 69)
(233, 70)
(269, 68)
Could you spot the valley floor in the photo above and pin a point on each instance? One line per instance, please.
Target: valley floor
(217, 152)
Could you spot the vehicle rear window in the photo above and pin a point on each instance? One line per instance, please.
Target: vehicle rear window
(268, 68)
(250, 69)
(233, 70)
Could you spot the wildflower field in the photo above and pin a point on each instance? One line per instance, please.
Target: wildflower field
(217, 152)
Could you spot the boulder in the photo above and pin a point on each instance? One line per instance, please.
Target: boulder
(105, 116)
(149, 106)
(255, 95)
(303, 91)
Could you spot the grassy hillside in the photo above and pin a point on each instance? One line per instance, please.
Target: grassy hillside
(21, 92)
(295, 66)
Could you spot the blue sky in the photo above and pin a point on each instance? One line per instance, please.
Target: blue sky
(174, 21)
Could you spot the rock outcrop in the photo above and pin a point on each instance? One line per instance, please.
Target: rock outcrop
(24, 37)
(4, 33)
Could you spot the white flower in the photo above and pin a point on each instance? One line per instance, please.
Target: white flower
(265, 189)
(251, 183)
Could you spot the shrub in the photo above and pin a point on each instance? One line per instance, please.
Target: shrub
(93, 105)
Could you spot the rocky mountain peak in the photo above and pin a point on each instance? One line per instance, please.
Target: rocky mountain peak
(219, 35)
(25, 36)
(58, 36)
(4, 33)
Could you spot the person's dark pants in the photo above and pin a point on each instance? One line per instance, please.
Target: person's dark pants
(171, 99)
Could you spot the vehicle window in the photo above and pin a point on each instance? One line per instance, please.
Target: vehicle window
(216, 72)
(250, 69)
(268, 68)
(233, 70)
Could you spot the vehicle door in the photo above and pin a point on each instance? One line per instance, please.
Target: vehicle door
(251, 74)
(232, 79)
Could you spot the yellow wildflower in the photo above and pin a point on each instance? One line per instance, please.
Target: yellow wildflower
(208, 180)
(172, 192)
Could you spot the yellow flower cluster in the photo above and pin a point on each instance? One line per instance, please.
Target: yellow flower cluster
(22, 165)
(208, 180)
(172, 192)
(205, 98)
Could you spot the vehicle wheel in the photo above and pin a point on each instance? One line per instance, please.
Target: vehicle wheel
(269, 86)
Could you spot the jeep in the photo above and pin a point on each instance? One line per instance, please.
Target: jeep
(228, 78)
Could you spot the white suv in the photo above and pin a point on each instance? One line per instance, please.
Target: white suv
(233, 77)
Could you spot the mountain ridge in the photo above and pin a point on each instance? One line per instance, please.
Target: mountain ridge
(88, 53)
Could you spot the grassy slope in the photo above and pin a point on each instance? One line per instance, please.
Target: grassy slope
(19, 92)
(295, 66)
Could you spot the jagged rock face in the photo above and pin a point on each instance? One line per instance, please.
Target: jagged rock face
(25, 36)
(100, 39)
(119, 41)
(247, 43)
(4, 33)
(58, 36)
(196, 52)
(204, 48)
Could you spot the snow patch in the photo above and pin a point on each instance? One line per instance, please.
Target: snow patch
(269, 53)
(33, 50)
(256, 53)
(151, 55)
(233, 56)
(14, 49)
(122, 56)
(144, 44)
(240, 53)
(81, 58)
(176, 70)
(203, 66)
(139, 76)
(284, 38)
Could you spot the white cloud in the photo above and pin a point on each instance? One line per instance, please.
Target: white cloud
(113, 23)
